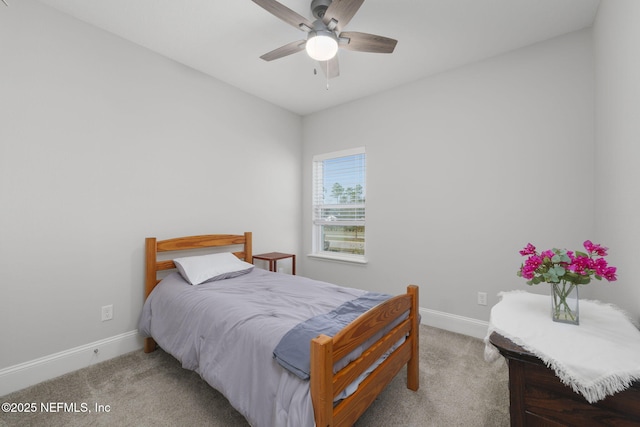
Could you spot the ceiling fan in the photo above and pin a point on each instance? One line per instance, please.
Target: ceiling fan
(325, 35)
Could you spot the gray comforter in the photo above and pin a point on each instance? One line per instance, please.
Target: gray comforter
(227, 331)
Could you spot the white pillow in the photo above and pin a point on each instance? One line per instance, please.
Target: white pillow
(199, 269)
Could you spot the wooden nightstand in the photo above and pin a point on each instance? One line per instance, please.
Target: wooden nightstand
(274, 257)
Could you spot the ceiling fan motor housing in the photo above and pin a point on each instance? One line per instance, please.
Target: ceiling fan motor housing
(318, 7)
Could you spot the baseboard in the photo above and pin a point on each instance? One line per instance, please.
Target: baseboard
(26, 374)
(454, 323)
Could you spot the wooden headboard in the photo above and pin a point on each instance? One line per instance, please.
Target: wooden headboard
(154, 246)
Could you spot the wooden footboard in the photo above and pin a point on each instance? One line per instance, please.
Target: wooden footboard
(325, 351)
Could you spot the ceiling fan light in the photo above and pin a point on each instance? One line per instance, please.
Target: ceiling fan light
(322, 46)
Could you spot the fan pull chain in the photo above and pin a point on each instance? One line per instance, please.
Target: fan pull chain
(327, 75)
(315, 72)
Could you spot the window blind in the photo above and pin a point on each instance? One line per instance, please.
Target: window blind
(340, 188)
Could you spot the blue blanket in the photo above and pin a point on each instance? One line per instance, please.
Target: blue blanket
(294, 350)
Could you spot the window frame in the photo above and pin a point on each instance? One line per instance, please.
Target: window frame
(317, 244)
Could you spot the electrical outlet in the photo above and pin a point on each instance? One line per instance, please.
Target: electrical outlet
(107, 312)
(482, 298)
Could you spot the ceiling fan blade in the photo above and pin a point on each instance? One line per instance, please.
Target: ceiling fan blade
(287, 15)
(330, 68)
(341, 11)
(285, 50)
(363, 42)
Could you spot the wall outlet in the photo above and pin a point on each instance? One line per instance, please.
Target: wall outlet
(107, 312)
(482, 298)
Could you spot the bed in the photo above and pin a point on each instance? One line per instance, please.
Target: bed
(347, 370)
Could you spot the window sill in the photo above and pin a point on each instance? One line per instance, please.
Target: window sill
(340, 258)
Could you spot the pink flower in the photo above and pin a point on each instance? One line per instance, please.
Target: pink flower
(581, 263)
(528, 250)
(593, 248)
(599, 264)
(602, 269)
(547, 254)
(530, 266)
(609, 273)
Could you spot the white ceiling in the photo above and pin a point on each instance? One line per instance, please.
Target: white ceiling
(224, 38)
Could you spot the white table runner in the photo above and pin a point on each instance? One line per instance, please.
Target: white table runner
(597, 358)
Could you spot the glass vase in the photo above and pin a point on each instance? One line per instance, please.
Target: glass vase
(564, 303)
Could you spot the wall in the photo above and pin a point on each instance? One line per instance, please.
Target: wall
(616, 43)
(463, 169)
(103, 143)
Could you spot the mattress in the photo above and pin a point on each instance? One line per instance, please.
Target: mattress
(227, 330)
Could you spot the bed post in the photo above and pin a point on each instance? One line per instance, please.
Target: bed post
(322, 380)
(150, 281)
(248, 247)
(413, 366)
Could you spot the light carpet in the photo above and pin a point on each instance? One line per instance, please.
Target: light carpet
(457, 388)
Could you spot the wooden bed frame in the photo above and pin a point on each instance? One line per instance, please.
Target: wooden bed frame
(324, 384)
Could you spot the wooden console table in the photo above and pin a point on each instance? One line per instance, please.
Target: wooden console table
(539, 398)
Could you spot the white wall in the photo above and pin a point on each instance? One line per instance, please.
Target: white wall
(617, 43)
(103, 143)
(463, 169)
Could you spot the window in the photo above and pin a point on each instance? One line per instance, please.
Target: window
(339, 193)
